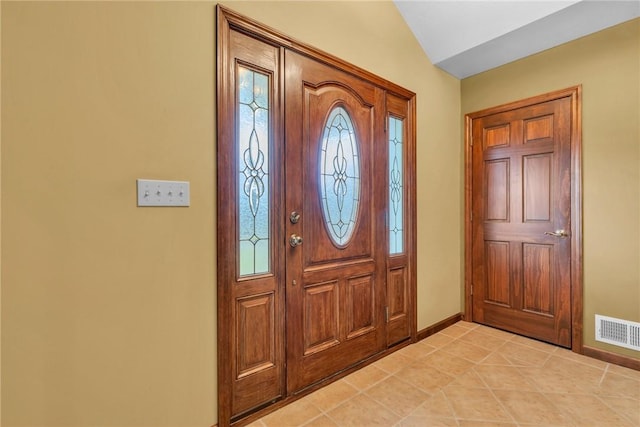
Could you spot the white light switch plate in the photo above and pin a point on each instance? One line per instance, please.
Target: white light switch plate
(152, 192)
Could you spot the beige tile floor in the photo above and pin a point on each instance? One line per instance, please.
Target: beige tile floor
(471, 375)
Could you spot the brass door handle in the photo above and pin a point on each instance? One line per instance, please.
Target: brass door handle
(295, 240)
(557, 233)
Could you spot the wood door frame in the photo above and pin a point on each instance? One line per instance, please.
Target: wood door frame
(227, 21)
(575, 95)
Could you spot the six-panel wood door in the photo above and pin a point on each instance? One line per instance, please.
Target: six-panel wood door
(521, 211)
(335, 277)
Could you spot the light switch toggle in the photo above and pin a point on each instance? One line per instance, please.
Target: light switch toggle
(153, 192)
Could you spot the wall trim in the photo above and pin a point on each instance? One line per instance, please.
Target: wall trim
(437, 327)
(616, 359)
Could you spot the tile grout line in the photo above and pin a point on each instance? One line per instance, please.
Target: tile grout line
(390, 409)
(442, 389)
(453, 411)
(326, 413)
(387, 375)
(620, 414)
(604, 374)
(504, 408)
(626, 372)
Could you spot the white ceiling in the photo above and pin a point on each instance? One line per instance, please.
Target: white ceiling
(468, 37)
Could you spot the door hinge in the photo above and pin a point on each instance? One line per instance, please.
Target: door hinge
(471, 216)
(386, 314)
(471, 141)
(471, 290)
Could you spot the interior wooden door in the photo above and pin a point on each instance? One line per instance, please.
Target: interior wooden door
(521, 220)
(335, 199)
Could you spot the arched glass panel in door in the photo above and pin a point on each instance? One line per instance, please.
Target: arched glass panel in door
(339, 176)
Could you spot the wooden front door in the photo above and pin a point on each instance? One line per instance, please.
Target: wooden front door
(335, 200)
(316, 209)
(521, 213)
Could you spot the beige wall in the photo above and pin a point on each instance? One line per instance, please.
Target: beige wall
(607, 64)
(108, 310)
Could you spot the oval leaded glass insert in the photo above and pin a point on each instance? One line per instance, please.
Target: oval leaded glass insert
(339, 176)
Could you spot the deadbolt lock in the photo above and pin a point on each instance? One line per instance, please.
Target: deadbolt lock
(294, 217)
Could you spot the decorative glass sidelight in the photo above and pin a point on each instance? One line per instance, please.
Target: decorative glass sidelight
(339, 176)
(396, 208)
(253, 172)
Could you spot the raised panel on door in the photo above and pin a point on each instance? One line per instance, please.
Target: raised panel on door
(497, 190)
(536, 188)
(321, 329)
(256, 351)
(538, 281)
(497, 136)
(255, 334)
(398, 305)
(497, 289)
(538, 129)
(333, 122)
(397, 293)
(520, 199)
(359, 306)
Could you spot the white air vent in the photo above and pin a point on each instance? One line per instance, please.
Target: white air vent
(622, 333)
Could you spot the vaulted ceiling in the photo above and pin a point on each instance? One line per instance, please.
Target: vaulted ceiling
(468, 37)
